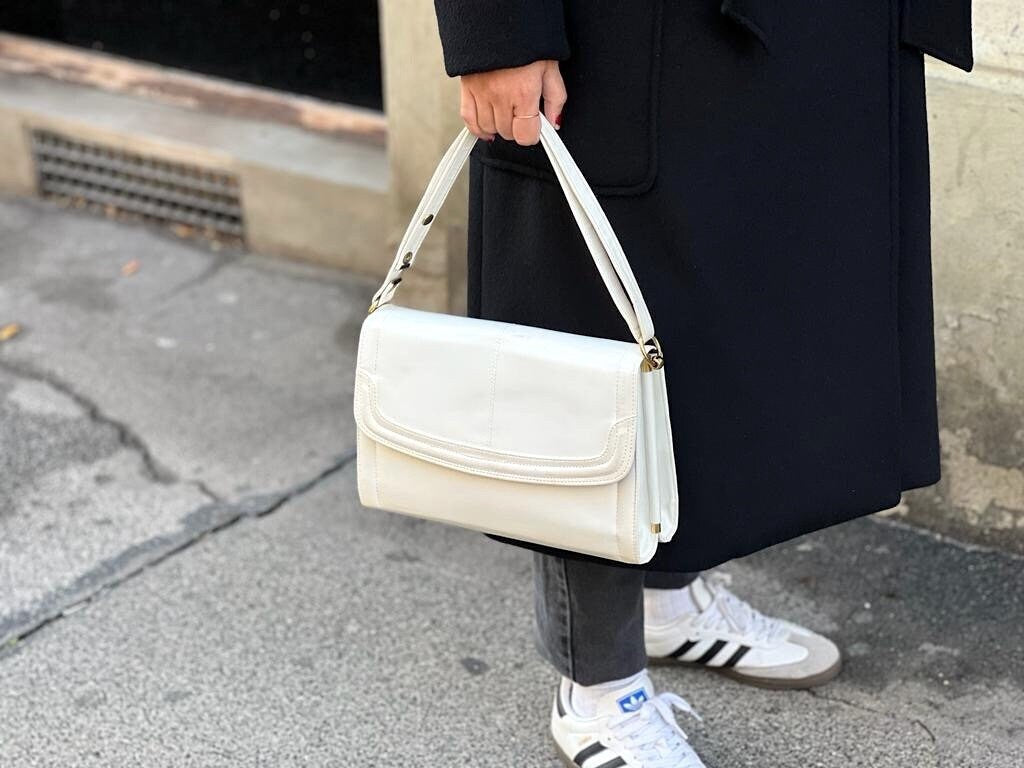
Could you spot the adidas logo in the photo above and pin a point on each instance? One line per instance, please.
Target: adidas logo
(631, 702)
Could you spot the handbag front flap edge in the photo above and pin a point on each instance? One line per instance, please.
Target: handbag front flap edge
(497, 399)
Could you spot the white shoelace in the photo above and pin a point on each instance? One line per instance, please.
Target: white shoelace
(737, 615)
(651, 735)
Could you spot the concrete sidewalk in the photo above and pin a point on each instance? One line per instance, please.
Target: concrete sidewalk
(187, 578)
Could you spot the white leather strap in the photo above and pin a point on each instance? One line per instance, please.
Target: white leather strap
(604, 246)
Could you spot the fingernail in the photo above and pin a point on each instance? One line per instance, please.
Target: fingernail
(558, 120)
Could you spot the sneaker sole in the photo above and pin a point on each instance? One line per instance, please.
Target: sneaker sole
(772, 683)
(565, 758)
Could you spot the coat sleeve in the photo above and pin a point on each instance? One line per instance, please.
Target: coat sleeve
(480, 35)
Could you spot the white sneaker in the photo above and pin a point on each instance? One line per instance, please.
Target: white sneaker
(633, 728)
(720, 631)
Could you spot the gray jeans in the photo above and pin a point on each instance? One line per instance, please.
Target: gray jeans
(590, 616)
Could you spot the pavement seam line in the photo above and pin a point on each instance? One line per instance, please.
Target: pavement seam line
(944, 538)
(139, 557)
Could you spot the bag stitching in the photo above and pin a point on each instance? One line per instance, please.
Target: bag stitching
(605, 478)
(494, 376)
(614, 475)
(376, 473)
(531, 479)
(529, 459)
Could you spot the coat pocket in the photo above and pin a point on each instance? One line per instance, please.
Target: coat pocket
(609, 121)
(940, 28)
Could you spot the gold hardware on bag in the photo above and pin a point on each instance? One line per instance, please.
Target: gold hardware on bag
(654, 358)
(375, 301)
(655, 527)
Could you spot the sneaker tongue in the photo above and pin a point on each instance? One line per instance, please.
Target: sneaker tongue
(628, 699)
(700, 593)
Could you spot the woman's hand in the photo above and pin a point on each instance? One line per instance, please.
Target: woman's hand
(507, 101)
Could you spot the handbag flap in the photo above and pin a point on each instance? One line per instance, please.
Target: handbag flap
(498, 399)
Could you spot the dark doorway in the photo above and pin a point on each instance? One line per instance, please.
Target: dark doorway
(324, 48)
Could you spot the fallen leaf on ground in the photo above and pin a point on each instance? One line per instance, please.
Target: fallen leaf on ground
(183, 230)
(9, 331)
(129, 268)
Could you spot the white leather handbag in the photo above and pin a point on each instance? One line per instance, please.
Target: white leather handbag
(542, 436)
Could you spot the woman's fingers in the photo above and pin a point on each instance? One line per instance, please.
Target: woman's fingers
(503, 112)
(526, 113)
(553, 92)
(507, 101)
(467, 110)
(526, 130)
(485, 116)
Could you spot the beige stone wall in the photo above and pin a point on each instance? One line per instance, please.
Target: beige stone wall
(17, 175)
(977, 151)
(999, 35)
(422, 105)
(313, 175)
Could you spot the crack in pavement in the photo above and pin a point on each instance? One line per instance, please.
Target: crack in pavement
(206, 519)
(126, 436)
(206, 490)
(218, 263)
(822, 696)
(203, 521)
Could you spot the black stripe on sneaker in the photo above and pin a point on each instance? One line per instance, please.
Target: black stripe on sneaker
(588, 752)
(735, 658)
(683, 649)
(615, 762)
(558, 703)
(711, 652)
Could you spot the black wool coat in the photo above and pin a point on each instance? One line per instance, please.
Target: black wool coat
(765, 165)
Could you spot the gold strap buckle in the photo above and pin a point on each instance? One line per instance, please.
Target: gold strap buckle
(378, 298)
(654, 358)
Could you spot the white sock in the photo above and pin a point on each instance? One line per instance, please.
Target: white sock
(662, 606)
(585, 698)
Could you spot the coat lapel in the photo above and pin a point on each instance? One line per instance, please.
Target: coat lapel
(941, 28)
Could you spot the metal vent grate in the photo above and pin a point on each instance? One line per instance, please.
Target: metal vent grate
(170, 193)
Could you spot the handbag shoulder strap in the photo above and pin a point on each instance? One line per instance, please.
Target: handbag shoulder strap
(604, 246)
